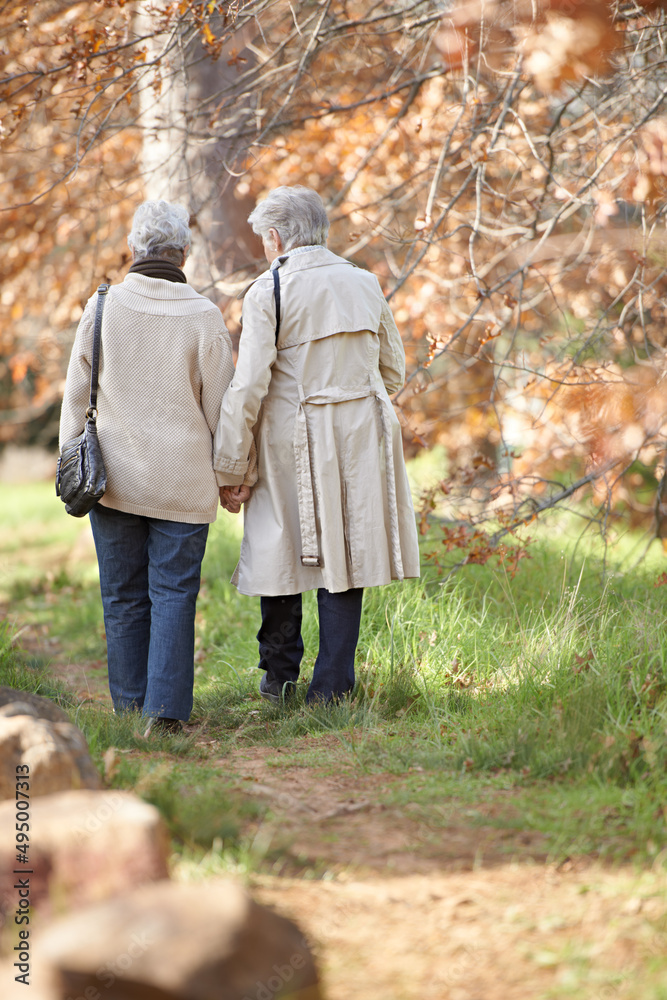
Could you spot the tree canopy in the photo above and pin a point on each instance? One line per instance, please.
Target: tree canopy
(500, 165)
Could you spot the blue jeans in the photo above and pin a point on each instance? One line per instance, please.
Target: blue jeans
(281, 645)
(150, 572)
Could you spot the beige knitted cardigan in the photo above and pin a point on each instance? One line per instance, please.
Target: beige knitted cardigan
(166, 361)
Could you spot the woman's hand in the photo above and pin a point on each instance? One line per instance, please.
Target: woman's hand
(231, 497)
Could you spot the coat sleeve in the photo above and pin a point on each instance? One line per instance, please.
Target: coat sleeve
(233, 450)
(392, 353)
(77, 383)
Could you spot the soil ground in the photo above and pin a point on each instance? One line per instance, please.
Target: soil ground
(461, 913)
(398, 910)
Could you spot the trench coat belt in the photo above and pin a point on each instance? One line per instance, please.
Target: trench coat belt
(305, 492)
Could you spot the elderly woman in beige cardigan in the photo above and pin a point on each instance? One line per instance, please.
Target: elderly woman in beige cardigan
(166, 360)
(331, 510)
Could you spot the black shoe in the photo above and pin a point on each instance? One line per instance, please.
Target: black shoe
(274, 691)
(161, 726)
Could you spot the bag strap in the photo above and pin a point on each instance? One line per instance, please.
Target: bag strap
(276, 292)
(91, 412)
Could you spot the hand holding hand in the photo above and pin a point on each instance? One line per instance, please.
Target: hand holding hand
(231, 497)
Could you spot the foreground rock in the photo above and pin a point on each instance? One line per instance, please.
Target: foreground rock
(42, 708)
(84, 846)
(55, 752)
(168, 941)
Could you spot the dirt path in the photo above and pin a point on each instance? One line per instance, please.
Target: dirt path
(397, 909)
(87, 679)
(514, 932)
(333, 819)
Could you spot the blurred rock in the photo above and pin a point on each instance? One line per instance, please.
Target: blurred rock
(168, 941)
(43, 708)
(84, 846)
(12, 990)
(56, 754)
(18, 708)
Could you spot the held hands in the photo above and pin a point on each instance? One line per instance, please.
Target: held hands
(231, 497)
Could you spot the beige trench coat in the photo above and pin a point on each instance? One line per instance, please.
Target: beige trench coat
(332, 506)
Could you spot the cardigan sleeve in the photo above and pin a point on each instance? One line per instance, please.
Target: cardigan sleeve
(217, 370)
(233, 443)
(77, 383)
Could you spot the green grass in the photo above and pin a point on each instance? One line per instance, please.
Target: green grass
(546, 691)
(48, 574)
(20, 673)
(196, 801)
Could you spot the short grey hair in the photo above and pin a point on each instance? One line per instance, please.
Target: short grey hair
(160, 229)
(297, 213)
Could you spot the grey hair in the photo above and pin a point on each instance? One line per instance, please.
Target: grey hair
(160, 229)
(297, 213)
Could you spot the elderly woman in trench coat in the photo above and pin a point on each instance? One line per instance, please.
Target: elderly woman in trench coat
(331, 510)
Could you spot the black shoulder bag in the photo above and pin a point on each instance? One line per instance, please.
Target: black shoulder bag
(81, 478)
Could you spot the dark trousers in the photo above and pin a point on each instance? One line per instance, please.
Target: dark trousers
(281, 645)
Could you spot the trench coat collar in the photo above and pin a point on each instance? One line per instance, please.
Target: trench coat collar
(319, 257)
(291, 263)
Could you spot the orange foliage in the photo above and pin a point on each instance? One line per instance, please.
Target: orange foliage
(507, 188)
(58, 240)
(562, 40)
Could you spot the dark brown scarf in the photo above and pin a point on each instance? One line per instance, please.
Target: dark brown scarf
(157, 267)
